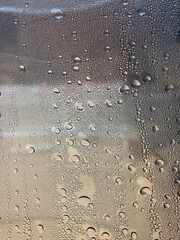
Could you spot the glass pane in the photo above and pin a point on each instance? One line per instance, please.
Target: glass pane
(89, 119)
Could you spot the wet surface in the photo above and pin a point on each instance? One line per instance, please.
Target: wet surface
(89, 120)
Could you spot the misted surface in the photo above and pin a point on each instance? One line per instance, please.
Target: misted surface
(89, 119)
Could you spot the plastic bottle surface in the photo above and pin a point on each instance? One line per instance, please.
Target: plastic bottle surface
(89, 119)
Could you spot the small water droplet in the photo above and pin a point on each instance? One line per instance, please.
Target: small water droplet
(84, 200)
(155, 128)
(131, 168)
(107, 217)
(108, 103)
(31, 150)
(40, 228)
(147, 78)
(90, 104)
(88, 78)
(166, 205)
(56, 130)
(118, 180)
(105, 236)
(122, 214)
(50, 72)
(56, 90)
(79, 106)
(76, 68)
(26, 5)
(134, 235)
(169, 88)
(141, 12)
(91, 231)
(145, 191)
(75, 158)
(57, 13)
(77, 60)
(22, 68)
(68, 126)
(85, 143)
(159, 162)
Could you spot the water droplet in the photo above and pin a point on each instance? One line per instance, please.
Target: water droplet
(31, 150)
(159, 162)
(108, 103)
(76, 68)
(131, 168)
(22, 68)
(107, 218)
(70, 142)
(91, 104)
(124, 88)
(141, 12)
(15, 170)
(79, 106)
(40, 228)
(58, 142)
(166, 205)
(152, 109)
(57, 13)
(50, 72)
(125, 231)
(58, 157)
(55, 106)
(155, 128)
(166, 56)
(77, 60)
(144, 47)
(85, 143)
(106, 33)
(125, 2)
(56, 130)
(134, 235)
(91, 231)
(92, 128)
(165, 69)
(147, 78)
(135, 204)
(75, 158)
(56, 90)
(26, 5)
(16, 208)
(105, 236)
(16, 21)
(68, 126)
(145, 191)
(135, 84)
(88, 78)
(169, 88)
(118, 180)
(122, 214)
(84, 201)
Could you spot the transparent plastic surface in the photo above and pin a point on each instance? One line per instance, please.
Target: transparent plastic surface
(89, 119)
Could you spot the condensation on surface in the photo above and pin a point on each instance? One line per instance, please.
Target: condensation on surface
(89, 119)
